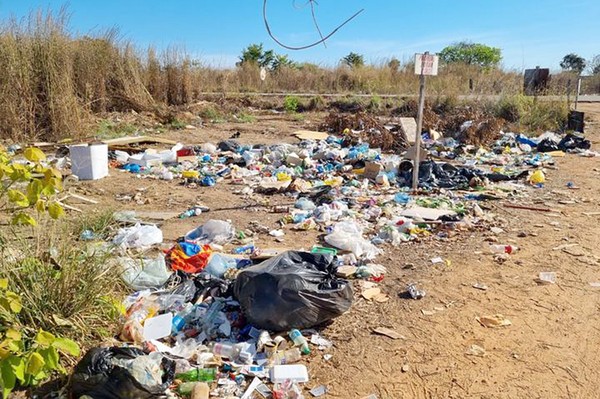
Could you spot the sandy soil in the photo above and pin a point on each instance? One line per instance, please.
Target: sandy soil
(552, 348)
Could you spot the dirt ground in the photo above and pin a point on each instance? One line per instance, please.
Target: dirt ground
(552, 348)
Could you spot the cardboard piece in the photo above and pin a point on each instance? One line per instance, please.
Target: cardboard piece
(371, 293)
(409, 127)
(426, 213)
(346, 271)
(410, 154)
(310, 135)
(372, 169)
(388, 333)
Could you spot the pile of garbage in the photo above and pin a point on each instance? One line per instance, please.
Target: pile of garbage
(217, 314)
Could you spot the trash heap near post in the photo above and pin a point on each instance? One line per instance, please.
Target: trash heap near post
(219, 313)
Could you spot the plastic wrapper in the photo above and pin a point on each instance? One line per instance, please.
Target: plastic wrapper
(348, 237)
(141, 274)
(293, 290)
(122, 373)
(212, 232)
(138, 236)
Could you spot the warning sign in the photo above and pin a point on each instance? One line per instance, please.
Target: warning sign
(426, 64)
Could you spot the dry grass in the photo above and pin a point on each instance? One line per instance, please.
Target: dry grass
(68, 287)
(52, 82)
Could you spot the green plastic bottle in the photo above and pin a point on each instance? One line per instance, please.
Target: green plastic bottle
(198, 374)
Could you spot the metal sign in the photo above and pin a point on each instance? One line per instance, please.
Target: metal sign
(426, 64)
(263, 73)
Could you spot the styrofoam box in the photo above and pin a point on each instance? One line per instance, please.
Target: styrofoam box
(89, 162)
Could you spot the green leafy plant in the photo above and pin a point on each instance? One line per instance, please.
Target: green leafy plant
(27, 357)
(291, 104)
(244, 117)
(30, 185)
(107, 129)
(177, 124)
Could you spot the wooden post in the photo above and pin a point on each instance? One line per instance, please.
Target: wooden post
(577, 94)
(417, 160)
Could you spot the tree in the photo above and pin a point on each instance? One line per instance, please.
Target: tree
(594, 65)
(256, 54)
(572, 62)
(353, 60)
(394, 64)
(282, 60)
(471, 54)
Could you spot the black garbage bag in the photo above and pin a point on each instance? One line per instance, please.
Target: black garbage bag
(292, 290)
(98, 377)
(573, 142)
(547, 145)
(229, 145)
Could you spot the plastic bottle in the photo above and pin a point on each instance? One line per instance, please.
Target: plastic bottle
(218, 264)
(195, 211)
(503, 249)
(299, 340)
(222, 350)
(198, 374)
(246, 249)
(286, 357)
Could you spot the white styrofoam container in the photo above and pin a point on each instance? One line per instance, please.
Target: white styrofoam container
(89, 162)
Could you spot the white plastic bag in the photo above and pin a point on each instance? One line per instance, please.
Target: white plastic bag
(138, 236)
(347, 236)
(141, 274)
(212, 232)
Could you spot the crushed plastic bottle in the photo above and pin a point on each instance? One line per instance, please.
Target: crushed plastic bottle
(414, 292)
(503, 249)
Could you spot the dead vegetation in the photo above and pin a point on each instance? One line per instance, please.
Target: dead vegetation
(53, 82)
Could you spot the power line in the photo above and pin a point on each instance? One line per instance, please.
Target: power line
(322, 40)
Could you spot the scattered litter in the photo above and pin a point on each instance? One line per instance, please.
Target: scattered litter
(547, 278)
(495, 321)
(427, 312)
(414, 292)
(388, 333)
(289, 372)
(480, 286)
(476, 350)
(318, 391)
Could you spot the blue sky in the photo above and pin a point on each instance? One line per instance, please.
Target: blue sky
(529, 32)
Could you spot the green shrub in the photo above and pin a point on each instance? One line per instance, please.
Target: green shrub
(291, 104)
(27, 356)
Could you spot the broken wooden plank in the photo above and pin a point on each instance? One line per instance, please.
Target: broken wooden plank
(310, 135)
(138, 140)
(388, 333)
(527, 208)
